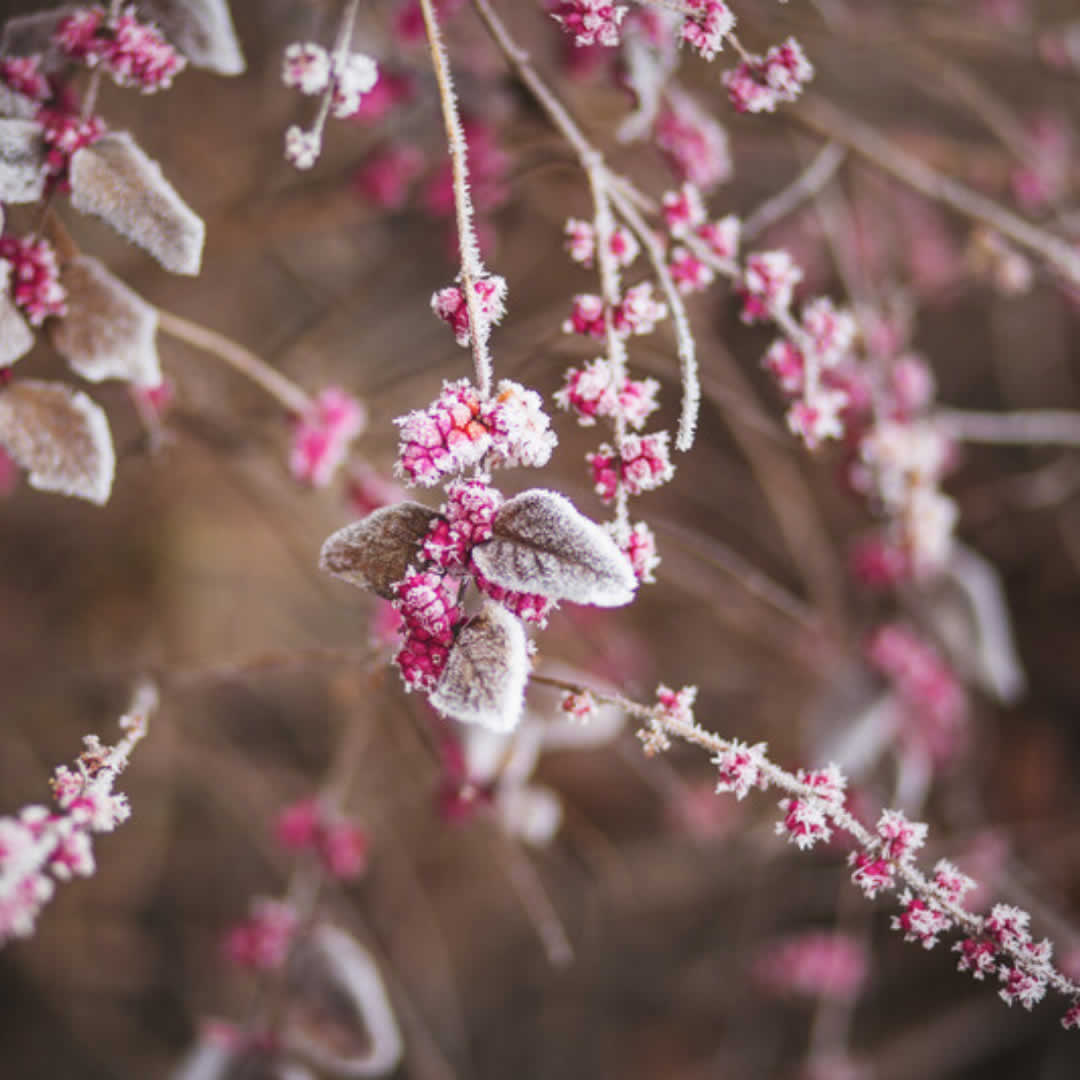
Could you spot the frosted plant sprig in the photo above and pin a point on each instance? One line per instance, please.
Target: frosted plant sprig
(624, 199)
(39, 847)
(995, 944)
(342, 77)
(472, 270)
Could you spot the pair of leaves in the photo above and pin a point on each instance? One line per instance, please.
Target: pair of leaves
(540, 544)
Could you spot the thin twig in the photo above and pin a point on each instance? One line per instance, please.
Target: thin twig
(284, 390)
(805, 186)
(1025, 427)
(826, 119)
(472, 266)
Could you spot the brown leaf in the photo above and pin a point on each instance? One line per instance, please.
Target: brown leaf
(375, 552)
(115, 180)
(22, 160)
(486, 672)
(339, 1016)
(60, 436)
(542, 544)
(109, 330)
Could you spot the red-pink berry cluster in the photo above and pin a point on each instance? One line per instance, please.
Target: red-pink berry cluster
(460, 430)
(339, 843)
(635, 314)
(65, 132)
(468, 515)
(705, 31)
(590, 22)
(695, 145)
(933, 696)
(427, 603)
(591, 393)
(450, 305)
(642, 464)
(262, 942)
(131, 52)
(896, 844)
(806, 820)
(322, 435)
(760, 84)
(33, 277)
(581, 243)
(24, 76)
(739, 766)
(39, 847)
(639, 546)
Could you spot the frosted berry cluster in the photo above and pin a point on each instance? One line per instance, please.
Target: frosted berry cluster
(590, 22)
(33, 277)
(131, 52)
(705, 31)
(450, 305)
(342, 79)
(340, 844)
(761, 84)
(40, 846)
(460, 429)
(322, 435)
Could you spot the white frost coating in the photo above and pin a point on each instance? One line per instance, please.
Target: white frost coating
(117, 182)
(335, 958)
(202, 30)
(542, 544)
(16, 337)
(109, 330)
(485, 675)
(60, 436)
(22, 160)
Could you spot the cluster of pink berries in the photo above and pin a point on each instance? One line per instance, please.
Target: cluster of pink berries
(460, 430)
(322, 435)
(33, 277)
(762, 83)
(40, 847)
(131, 52)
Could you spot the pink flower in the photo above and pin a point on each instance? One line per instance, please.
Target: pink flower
(581, 706)
(322, 434)
(23, 75)
(65, 132)
(767, 284)
(306, 67)
(706, 32)
(721, 236)
(638, 312)
(34, 280)
(683, 210)
(640, 549)
(645, 464)
(740, 768)
(695, 145)
(450, 306)
(590, 22)
(262, 943)
(689, 273)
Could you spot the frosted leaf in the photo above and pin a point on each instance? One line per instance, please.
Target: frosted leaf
(22, 161)
(116, 181)
(108, 331)
(542, 544)
(338, 1015)
(202, 30)
(485, 675)
(60, 436)
(16, 337)
(16, 106)
(375, 552)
